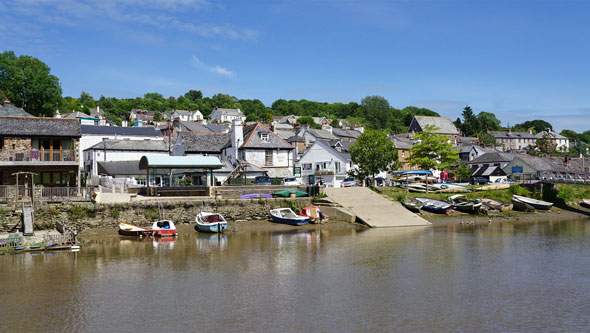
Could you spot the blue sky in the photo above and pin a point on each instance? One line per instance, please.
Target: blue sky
(521, 60)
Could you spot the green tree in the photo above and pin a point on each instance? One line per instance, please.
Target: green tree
(463, 173)
(487, 121)
(376, 111)
(433, 151)
(486, 139)
(194, 95)
(544, 146)
(27, 82)
(86, 102)
(535, 125)
(373, 152)
(334, 123)
(307, 120)
(470, 126)
(157, 116)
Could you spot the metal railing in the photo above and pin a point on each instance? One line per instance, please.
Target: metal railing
(59, 192)
(37, 155)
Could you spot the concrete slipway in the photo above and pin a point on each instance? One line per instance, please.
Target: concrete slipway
(373, 209)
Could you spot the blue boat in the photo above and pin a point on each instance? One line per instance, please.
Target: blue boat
(435, 206)
(210, 222)
(287, 216)
(255, 196)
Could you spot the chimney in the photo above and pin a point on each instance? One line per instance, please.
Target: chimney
(237, 136)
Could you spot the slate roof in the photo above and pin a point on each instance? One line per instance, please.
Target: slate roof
(9, 110)
(285, 134)
(346, 133)
(492, 158)
(444, 124)
(402, 143)
(229, 112)
(204, 142)
(131, 145)
(296, 138)
(512, 135)
(326, 144)
(551, 135)
(321, 134)
(119, 168)
(34, 127)
(117, 130)
(78, 114)
(193, 126)
(219, 128)
(487, 171)
(252, 138)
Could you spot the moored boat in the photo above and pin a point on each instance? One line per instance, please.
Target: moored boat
(210, 222)
(413, 205)
(164, 228)
(126, 229)
(463, 204)
(287, 216)
(255, 196)
(537, 204)
(288, 193)
(435, 206)
(497, 204)
(585, 203)
(314, 213)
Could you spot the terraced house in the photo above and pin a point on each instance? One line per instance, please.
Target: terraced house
(47, 147)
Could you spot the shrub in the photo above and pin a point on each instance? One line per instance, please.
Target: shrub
(518, 190)
(151, 213)
(401, 197)
(115, 212)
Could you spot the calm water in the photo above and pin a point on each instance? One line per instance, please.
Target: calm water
(497, 277)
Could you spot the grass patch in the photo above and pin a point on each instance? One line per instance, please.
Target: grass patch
(151, 213)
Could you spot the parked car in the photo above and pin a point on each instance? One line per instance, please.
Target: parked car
(502, 181)
(290, 181)
(379, 181)
(478, 181)
(349, 182)
(262, 180)
(320, 181)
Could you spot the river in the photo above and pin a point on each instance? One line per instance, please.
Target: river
(502, 276)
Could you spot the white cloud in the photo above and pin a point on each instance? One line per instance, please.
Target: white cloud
(162, 14)
(213, 69)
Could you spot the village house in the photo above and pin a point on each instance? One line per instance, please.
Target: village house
(85, 119)
(509, 141)
(559, 142)
(203, 143)
(443, 125)
(121, 150)
(322, 160)
(183, 115)
(227, 115)
(559, 169)
(91, 135)
(45, 146)
(144, 116)
(403, 146)
(490, 165)
(261, 147)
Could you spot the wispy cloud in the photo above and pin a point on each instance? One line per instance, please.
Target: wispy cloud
(197, 63)
(176, 15)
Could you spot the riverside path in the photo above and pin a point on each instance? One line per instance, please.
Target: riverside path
(373, 209)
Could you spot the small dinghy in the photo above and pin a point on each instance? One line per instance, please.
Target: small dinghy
(210, 222)
(435, 206)
(126, 229)
(164, 228)
(498, 205)
(585, 203)
(288, 193)
(537, 204)
(287, 216)
(462, 204)
(413, 205)
(255, 196)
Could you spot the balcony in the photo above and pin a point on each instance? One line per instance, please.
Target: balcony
(37, 156)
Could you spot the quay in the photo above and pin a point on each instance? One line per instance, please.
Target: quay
(373, 209)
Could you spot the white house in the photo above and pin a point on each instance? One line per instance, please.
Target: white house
(560, 142)
(260, 146)
(92, 135)
(322, 160)
(227, 115)
(121, 150)
(184, 115)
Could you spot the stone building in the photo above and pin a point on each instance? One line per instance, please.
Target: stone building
(47, 147)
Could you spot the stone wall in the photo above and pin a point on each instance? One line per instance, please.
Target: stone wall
(145, 213)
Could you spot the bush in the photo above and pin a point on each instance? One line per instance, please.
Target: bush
(290, 204)
(115, 212)
(401, 197)
(151, 213)
(565, 193)
(518, 190)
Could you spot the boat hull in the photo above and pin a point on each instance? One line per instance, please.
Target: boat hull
(537, 204)
(278, 219)
(256, 196)
(135, 233)
(211, 227)
(165, 233)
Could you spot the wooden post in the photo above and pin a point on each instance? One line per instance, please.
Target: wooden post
(148, 181)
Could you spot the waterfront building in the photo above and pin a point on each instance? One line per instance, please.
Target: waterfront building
(122, 150)
(443, 125)
(325, 160)
(227, 115)
(45, 146)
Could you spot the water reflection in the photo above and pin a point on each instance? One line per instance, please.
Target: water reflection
(502, 276)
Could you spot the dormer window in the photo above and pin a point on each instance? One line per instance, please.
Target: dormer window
(264, 137)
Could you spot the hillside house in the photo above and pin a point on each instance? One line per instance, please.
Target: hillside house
(227, 115)
(444, 126)
(327, 161)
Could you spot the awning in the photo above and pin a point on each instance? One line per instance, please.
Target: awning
(180, 162)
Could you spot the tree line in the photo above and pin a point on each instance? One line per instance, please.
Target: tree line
(27, 82)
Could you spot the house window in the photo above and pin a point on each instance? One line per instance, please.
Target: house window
(306, 166)
(268, 157)
(403, 153)
(337, 167)
(264, 137)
